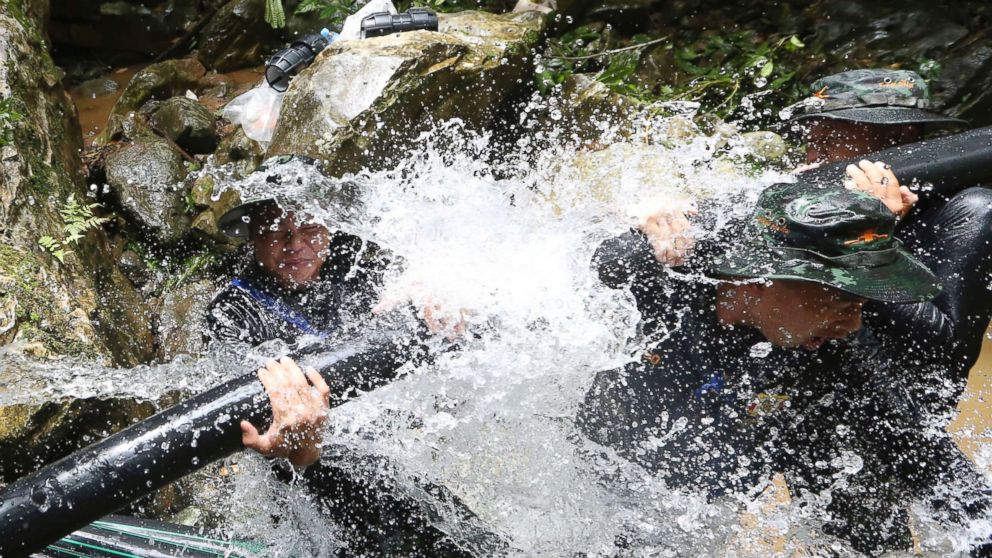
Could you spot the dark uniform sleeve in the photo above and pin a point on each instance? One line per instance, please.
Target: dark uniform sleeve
(234, 318)
(627, 261)
(611, 407)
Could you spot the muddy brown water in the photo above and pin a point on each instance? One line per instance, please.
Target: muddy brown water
(94, 110)
(972, 428)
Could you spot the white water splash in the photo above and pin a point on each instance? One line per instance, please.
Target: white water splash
(507, 238)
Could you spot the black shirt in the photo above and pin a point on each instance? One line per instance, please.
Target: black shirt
(717, 408)
(255, 309)
(698, 403)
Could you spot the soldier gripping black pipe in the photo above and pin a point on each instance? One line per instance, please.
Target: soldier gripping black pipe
(770, 368)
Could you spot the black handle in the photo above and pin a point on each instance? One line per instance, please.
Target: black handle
(384, 23)
(283, 65)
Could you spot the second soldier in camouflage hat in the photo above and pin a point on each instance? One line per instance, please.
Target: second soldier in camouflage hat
(832, 236)
(874, 96)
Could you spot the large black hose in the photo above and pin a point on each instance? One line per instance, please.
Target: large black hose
(947, 163)
(96, 481)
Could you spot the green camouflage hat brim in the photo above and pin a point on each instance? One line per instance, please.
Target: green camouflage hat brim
(888, 115)
(903, 280)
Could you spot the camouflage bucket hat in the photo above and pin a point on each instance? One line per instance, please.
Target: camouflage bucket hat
(831, 236)
(876, 96)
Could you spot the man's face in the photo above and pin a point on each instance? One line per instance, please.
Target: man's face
(292, 254)
(800, 314)
(829, 140)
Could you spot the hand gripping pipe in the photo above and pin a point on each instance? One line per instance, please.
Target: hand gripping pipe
(87, 485)
(948, 164)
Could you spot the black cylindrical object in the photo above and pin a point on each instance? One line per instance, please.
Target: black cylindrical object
(284, 64)
(385, 23)
(96, 481)
(947, 163)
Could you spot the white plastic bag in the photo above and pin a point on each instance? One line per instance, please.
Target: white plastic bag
(352, 28)
(257, 111)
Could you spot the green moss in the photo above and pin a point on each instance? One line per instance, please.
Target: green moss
(39, 318)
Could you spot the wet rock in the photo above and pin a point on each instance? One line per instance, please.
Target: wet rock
(188, 123)
(364, 101)
(242, 153)
(145, 179)
(593, 112)
(59, 306)
(970, 97)
(212, 206)
(133, 267)
(8, 318)
(767, 146)
(158, 81)
(146, 28)
(98, 87)
(654, 169)
(236, 37)
(182, 320)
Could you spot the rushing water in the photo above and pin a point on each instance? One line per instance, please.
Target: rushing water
(503, 240)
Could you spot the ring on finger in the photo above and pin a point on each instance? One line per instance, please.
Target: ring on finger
(885, 181)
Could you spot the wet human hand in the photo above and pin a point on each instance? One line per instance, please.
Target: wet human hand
(876, 178)
(666, 223)
(300, 401)
(438, 318)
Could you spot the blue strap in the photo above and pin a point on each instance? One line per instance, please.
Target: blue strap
(715, 386)
(278, 308)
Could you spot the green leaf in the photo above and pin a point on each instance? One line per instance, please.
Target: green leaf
(274, 14)
(795, 42)
(307, 6)
(767, 69)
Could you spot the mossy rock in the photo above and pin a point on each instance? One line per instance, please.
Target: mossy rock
(37, 315)
(157, 81)
(188, 123)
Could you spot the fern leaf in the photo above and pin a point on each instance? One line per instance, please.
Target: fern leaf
(274, 14)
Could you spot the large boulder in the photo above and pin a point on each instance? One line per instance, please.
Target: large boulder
(71, 298)
(363, 101)
(145, 178)
(156, 82)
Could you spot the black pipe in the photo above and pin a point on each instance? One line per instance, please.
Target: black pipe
(96, 481)
(945, 163)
